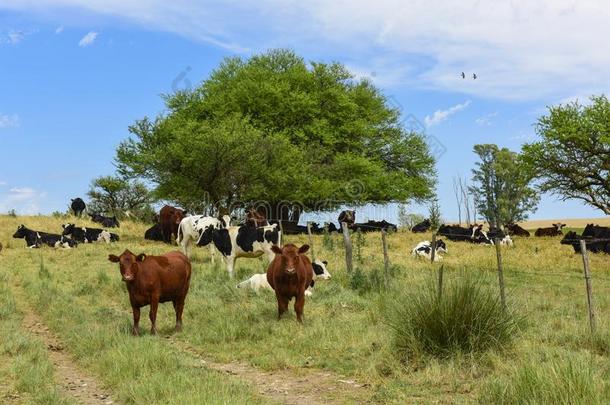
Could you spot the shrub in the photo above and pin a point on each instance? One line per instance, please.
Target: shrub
(558, 381)
(468, 318)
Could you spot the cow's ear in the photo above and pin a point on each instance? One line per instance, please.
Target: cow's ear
(113, 258)
(276, 249)
(303, 249)
(141, 257)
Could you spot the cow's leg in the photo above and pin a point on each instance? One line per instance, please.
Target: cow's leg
(230, 265)
(212, 254)
(154, 305)
(186, 245)
(136, 321)
(299, 303)
(179, 307)
(282, 306)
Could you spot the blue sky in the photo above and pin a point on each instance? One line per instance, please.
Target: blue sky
(75, 74)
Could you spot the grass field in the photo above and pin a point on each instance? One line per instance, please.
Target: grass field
(232, 346)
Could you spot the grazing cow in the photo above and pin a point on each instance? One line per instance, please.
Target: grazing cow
(155, 232)
(289, 274)
(78, 206)
(259, 281)
(107, 222)
(169, 218)
(198, 229)
(154, 279)
(349, 217)
(375, 226)
(423, 226)
(424, 249)
(597, 239)
(89, 235)
(245, 241)
(515, 230)
(255, 218)
(35, 239)
(554, 230)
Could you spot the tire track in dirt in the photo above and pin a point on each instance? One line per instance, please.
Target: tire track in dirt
(71, 380)
(286, 386)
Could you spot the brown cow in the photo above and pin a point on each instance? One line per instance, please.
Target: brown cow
(169, 218)
(255, 218)
(516, 230)
(555, 230)
(154, 279)
(349, 217)
(289, 274)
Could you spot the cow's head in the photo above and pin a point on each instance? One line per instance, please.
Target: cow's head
(319, 269)
(290, 256)
(178, 216)
(441, 246)
(20, 233)
(128, 264)
(225, 221)
(68, 229)
(558, 226)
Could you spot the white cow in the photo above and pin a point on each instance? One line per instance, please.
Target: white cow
(198, 229)
(259, 281)
(245, 241)
(424, 249)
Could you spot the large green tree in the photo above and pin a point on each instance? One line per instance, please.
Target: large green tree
(572, 158)
(275, 128)
(501, 186)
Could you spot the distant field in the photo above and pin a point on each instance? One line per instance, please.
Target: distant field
(570, 222)
(233, 350)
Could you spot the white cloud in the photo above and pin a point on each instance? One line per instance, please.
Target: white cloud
(3, 183)
(25, 200)
(88, 39)
(59, 29)
(14, 37)
(441, 115)
(7, 121)
(486, 119)
(539, 50)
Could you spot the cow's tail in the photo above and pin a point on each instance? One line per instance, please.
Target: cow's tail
(180, 233)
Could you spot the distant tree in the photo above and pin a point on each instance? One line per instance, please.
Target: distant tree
(406, 219)
(572, 160)
(434, 214)
(501, 186)
(120, 197)
(274, 128)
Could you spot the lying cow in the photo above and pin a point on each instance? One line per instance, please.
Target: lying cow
(89, 235)
(424, 249)
(289, 274)
(423, 226)
(597, 239)
(554, 230)
(155, 232)
(35, 239)
(154, 279)
(375, 226)
(515, 230)
(245, 241)
(259, 281)
(107, 222)
(198, 229)
(498, 234)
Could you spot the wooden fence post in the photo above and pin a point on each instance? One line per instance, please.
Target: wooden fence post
(386, 259)
(313, 256)
(500, 272)
(433, 247)
(585, 262)
(440, 282)
(348, 248)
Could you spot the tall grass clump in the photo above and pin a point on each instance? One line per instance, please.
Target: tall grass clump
(467, 318)
(561, 380)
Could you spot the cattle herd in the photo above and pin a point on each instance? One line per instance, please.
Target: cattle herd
(151, 280)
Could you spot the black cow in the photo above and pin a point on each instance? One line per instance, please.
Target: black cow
(78, 206)
(36, 239)
(515, 230)
(349, 217)
(375, 226)
(108, 222)
(597, 239)
(331, 227)
(155, 232)
(423, 226)
(89, 235)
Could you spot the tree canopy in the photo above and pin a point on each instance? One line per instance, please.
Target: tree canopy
(276, 128)
(120, 197)
(501, 186)
(572, 158)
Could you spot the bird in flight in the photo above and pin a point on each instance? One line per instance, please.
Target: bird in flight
(463, 75)
(474, 76)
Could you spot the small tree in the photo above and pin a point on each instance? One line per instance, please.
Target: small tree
(408, 220)
(121, 197)
(501, 186)
(434, 214)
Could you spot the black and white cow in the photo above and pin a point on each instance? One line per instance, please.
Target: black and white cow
(498, 234)
(259, 281)
(424, 249)
(108, 222)
(423, 226)
(198, 229)
(245, 241)
(35, 239)
(89, 235)
(155, 232)
(78, 206)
